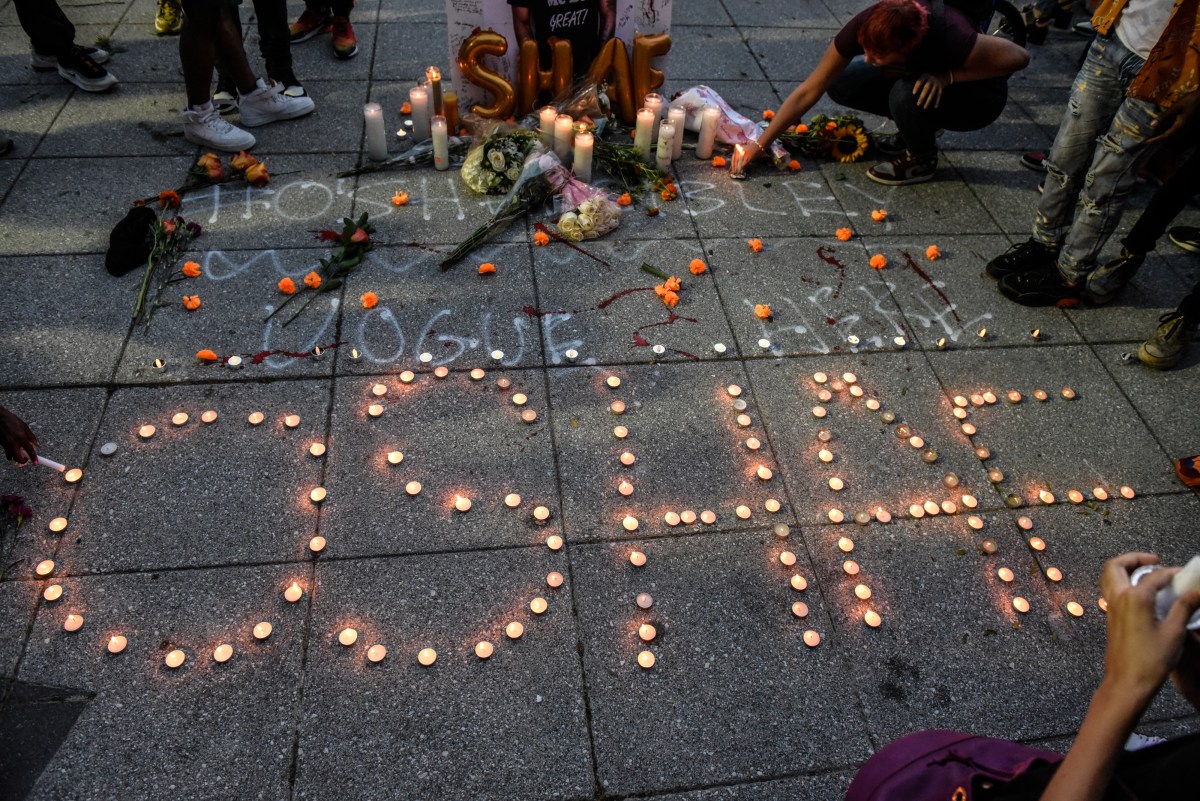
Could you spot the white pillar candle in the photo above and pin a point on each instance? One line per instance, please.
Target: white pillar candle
(643, 133)
(441, 143)
(434, 76)
(376, 136)
(677, 116)
(418, 98)
(564, 135)
(582, 166)
(546, 118)
(666, 144)
(654, 102)
(710, 117)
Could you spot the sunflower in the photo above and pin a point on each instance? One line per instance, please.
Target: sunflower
(848, 143)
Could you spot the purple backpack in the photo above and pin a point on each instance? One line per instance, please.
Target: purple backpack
(940, 765)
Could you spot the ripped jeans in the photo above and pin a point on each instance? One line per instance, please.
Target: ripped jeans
(1094, 161)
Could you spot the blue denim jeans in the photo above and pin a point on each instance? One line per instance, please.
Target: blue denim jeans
(1093, 163)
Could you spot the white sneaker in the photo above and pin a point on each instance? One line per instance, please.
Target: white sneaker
(269, 104)
(209, 129)
(224, 102)
(41, 63)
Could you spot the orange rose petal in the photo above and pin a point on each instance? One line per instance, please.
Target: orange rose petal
(369, 300)
(878, 261)
(697, 267)
(191, 269)
(206, 356)
(844, 234)
(191, 302)
(487, 268)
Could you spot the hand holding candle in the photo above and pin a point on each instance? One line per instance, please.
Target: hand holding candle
(18, 441)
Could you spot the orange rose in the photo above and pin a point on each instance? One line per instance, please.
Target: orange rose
(768, 115)
(879, 215)
(312, 281)
(191, 269)
(719, 161)
(843, 234)
(672, 284)
(541, 239)
(359, 236)
(829, 126)
(755, 245)
(671, 299)
(400, 199)
(287, 286)
(210, 164)
(256, 174)
(878, 261)
(697, 267)
(169, 199)
(369, 300)
(794, 165)
(242, 161)
(801, 128)
(406, 107)
(762, 311)
(191, 302)
(624, 200)
(487, 268)
(660, 290)
(669, 193)
(206, 356)
(933, 253)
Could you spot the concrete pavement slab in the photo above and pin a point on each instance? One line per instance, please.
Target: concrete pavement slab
(113, 125)
(785, 54)
(407, 48)
(712, 51)
(244, 488)
(700, 12)
(827, 785)
(734, 689)
(510, 726)
(26, 114)
(807, 15)
(1162, 399)
(1156, 288)
(18, 600)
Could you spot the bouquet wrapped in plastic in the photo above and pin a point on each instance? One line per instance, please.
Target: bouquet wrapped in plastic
(732, 129)
(497, 158)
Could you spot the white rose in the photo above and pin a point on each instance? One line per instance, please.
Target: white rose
(497, 160)
(569, 227)
(513, 173)
(586, 224)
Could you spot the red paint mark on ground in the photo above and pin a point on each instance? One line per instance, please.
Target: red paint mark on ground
(830, 259)
(604, 304)
(640, 341)
(916, 268)
(540, 226)
(426, 248)
(262, 356)
(831, 320)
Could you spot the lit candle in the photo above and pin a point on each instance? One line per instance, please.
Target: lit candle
(538, 606)
(376, 136)
(1046, 497)
(818, 412)
(519, 399)
(637, 558)
(708, 517)
(677, 116)
(644, 600)
(441, 143)
(58, 524)
(744, 420)
(462, 503)
(514, 630)
(376, 653)
(1005, 575)
(743, 512)
(1103, 604)
(628, 458)
(620, 432)
(982, 453)
(654, 102)
(317, 495)
(787, 558)
(916, 511)
(564, 135)
(255, 418)
(643, 135)
(293, 593)
(73, 475)
(824, 435)
(1025, 523)
(175, 658)
(883, 515)
(872, 404)
(483, 649)
(968, 429)
(263, 630)
(931, 508)
(1013, 396)
(825, 456)
(647, 632)
(434, 78)
(812, 639)
(916, 442)
(73, 622)
(418, 98)
(222, 653)
(995, 475)
(1075, 496)
(441, 371)
(413, 488)
(554, 579)
(1068, 393)
(1040, 394)
(546, 118)
(771, 505)
(752, 443)
(666, 146)
(1037, 543)
(528, 416)
(989, 547)
(541, 513)
(1100, 494)
(426, 656)
(617, 407)
(1020, 604)
(554, 542)
(1054, 574)
(845, 544)
(45, 567)
(850, 567)
(646, 660)
(512, 500)
(116, 644)
(1127, 493)
(949, 507)
(856, 391)
(969, 501)
(630, 523)
(146, 431)
(316, 544)
(347, 637)
(862, 591)
(764, 473)
(1074, 609)
(975, 522)
(687, 516)
(710, 118)
(800, 609)
(799, 583)
(53, 592)
(959, 414)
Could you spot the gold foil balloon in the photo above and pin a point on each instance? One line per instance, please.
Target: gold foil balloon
(532, 80)
(474, 47)
(611, 66)
(645, 78)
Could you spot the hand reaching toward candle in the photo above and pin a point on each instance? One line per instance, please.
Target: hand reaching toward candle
(20, 444)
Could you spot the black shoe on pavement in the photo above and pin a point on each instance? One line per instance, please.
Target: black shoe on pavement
(1044, 287)
(79, 69)
(1025, 257)
(1107, 281)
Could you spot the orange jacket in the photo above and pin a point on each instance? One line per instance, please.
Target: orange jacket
(1173, 67)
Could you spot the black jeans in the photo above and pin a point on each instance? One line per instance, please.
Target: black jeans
(274, 41)
(48, 29)
(964, 106)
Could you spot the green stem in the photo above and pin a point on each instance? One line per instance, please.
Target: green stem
(657, 273)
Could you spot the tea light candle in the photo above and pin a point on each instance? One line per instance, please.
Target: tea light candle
(630, 523)
(637, 558)
(514, 630)
(968, 429)
(708, 517)
(949, 507)
(53, 592)
(916, 442)
(643, 134)
(617, 407)
(208, 416)
(1013, 396)
(1005, 575)
(317, 495)
(554, 579)
(222, 653)
(375, 410)
(1020, 604)
(743, 420)
(407, 376)
(887, 416)
(175, 658)
(646, 660)
(883, 515)
(671, 519)
(752, 443)
(441, 371)
(58, 524)
(1068, 393)
(989, 547)
(872, 618)
(850, 567)
(644, 600)
(995, 475)
(982, 453)
(899, 342)
(293, 593)
(538, 606)
(554, 542)
(1046, 497)
(263, 630)
(687, 516)
(484, 649)
(811, 638)
(582, 162)
(862, 591)
(512, 500)
(1075, 496)
(347, 637)
(379, 390)
(975, 522)
(989, 397)
(930, 456)
(1127, 493)
(376, 653)
(146, 431)
(916, 511)
(116, 644)
(824, 395)
(799, 583)
(1074, 609)
(931, 508)
(376, 136)
(1103, 604)
(782, 530)
(528, 416)
(771, 505)
(872, 404)
(255, 418)
(845, 544)
(426, 656)
(710, 118)
(413, 488)
(1054, 574)
(959, 414)
(44, 567)
(541, 513)
(1100, 494)
(462, 503)
(743, 512)
(316, 544)
(1041, 394)
(787, 558)
(824, 435)
(418, 98)
(1037, 543)
(818, 412)
(856, 391)
(316, 449)
(825, 456)
(800, 609)
(764, 473)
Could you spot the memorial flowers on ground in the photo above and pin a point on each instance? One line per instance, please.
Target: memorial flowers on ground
(352, 243)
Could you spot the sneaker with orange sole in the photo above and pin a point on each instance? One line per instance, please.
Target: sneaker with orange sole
(345, 44)
(309, 24)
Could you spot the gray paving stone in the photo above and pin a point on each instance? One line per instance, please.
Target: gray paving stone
(581, 305)
(237, 290)
(335, 125)
(1097, 438)
(512, 726)
(709, 51)
(876, 467)
(786, 54)
(15, 49)
(144, 56)
(829, 785)
(17, 600)
(429, 12)
(26, 113)
(1014, 130)
(1156, 288)
(1007, 191)
(10, 167)
(315, 59)
(58, 329)
(733, 683)
(807, 15)
(244, 489)
(114, 124)
(700, 12)
(454, 442)
(666, 404)
(207, 730)
(459, 318)
(406, 49)
(1162, 399)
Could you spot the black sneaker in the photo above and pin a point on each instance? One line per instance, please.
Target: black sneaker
(1186, 237)
(904, 170)
(1022, 258)
(1107, 281)
(44, 63)
(890, 145)
(79, 69)
(1044, 287)
(1166, 345)
(1035, 161)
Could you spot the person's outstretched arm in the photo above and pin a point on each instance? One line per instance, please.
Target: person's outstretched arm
(18, 441)
(1142, 651)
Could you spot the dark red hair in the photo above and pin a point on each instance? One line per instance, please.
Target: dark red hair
(893, 27)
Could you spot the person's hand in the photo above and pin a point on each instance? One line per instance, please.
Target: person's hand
(1176, 118)
(750, 151)
(928, 89)
(1142, 650)
(20, 445)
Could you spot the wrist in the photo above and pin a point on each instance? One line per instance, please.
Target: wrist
(1122, 700)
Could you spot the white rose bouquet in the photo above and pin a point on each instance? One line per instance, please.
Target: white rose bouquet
(495, 163)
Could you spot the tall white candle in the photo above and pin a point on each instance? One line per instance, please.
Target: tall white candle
(564, 135)
(643, 133)
(654, 102)
(441, 143)
(710, 117)
(677, 116)
(434, 76)
(376, 137)
(418, 98)
(666, 144)
(583, 156)
(546, 118)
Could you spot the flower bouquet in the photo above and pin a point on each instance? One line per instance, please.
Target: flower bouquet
(353, 242)
(170, 235)
(591, 219)
(842, 138)
(497, 159)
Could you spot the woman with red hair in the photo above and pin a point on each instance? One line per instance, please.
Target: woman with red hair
(922, 63)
